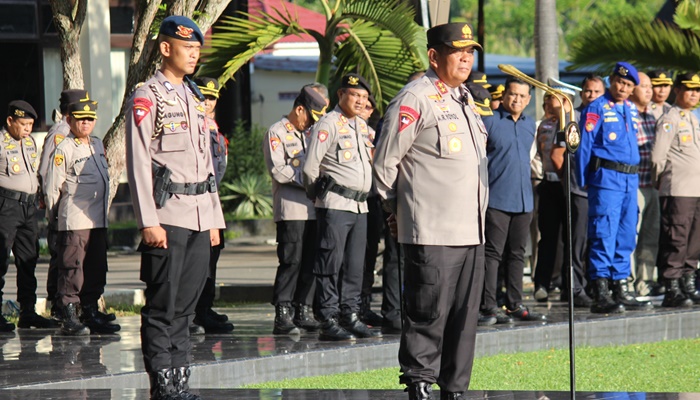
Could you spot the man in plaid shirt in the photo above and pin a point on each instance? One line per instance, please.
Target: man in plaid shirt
(644, 260)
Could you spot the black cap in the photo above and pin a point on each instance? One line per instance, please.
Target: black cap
(69, 96)
(20, 109)
(659, 77)
(478, 77)
(497, 91)
(482, 98)
(355, 81)
(208, 86)
(83, 109)
(372, 101)
(455, 35)
(691, 80)
(313, 101)
(182, 28)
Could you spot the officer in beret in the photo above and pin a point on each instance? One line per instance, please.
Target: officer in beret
(77, 192)
(431, 170)
(173, 189)
(607, 163)
(479, 78)
(496, 92)
(675, 164)
(18, 194)
(285, 148)
(206, 319)
(338, 176)
(661, 87)
(482, 98)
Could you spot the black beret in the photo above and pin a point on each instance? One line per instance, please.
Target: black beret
(355, 81)
(482, 98)
(691, 80)
(497, 91)
(69, 96)
(479, 77)
(83, 109)
(182, 28)
(659, 77)
(455, 35)
(313, 101)
(208, 86)
(20, 109)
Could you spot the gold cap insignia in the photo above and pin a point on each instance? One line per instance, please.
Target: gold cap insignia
(86, 108)
(353, 80)
(623, 71)
(467, 32)
(211, 85)
(662, 76)
(19, 113)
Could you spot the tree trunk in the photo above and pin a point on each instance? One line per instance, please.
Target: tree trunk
(69, 23)
(546, 43)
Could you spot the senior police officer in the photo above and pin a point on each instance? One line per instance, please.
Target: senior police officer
(18, 195)
(661, 89)
(284, 147)
(177, 209)
(675, 160)
(338, 174)
(607, 163)
(431, 171)
(77, 191)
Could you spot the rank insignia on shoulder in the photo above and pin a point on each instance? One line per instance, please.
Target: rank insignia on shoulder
(58, 139)
(289, 126)
(441, 87)
(58, 159)
(168, 86)
(76, 140)
(322, 136)
(343, 119)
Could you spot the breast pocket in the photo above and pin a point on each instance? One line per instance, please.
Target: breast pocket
(173, 142)
(347, 151)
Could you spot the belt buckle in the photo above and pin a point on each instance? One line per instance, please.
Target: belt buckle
(201, 187)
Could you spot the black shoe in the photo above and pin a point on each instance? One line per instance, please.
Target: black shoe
(368, 316)
(196, 330)
(450, 395)
(304, 319)
(603, 303)
(687, 284)
(582, 300)
(351, 323)
(6, 326)
(93, 320)
(486, 320)
(107, 317)
(420, 391)
(32, 319)
(622, 295)
(501, 317)
(162, 385)
(56, 312)
(674, 296)
(71, 325)
(284, 325)
(523, 314)
(181, 376)
(331, 330)
(391, 326)
(211, 325)
(215, 315)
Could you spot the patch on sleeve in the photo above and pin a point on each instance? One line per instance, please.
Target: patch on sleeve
(667, 127)
(274, 142)
(142, 107)
(322, 136)
(591, 120)
(58, 139)
(58, 159)
(407, 116)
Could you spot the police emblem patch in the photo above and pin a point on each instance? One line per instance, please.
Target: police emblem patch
(296, 162)
(667, 127)
(407, 116)
(58, 159)
(322, 136)
(274, 142)
(142, 107)
(455, 145)
(184, 32)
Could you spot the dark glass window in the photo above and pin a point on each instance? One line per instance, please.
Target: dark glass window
(121, 19)
(18, 20)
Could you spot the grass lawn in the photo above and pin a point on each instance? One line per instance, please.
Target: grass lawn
(672, 366)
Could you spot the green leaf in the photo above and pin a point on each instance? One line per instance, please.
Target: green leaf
(688, 15)
(251, 196)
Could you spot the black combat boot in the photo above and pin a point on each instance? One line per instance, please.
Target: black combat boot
(331, 330)
(368, 316)
(56, 312)
(182, 376)
(603, 303)
(420, 391)
(622, 295)
(93, 320)
(6, 326)
(29, 318)
(450, 395)
(351, 323)
(283, 322)
(71, 325)
(688, 287)
(674, 296)
(304, 318)
(162, 385)
(215, 315)
(212, 324)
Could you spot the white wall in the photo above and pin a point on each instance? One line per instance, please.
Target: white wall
(266, 87)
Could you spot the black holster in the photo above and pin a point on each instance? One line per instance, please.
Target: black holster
(161, 181)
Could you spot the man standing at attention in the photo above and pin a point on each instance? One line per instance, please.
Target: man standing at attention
(431, 172)
(173, 190)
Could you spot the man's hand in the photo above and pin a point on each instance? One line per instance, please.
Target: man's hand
(154, 236)
(393, 227)
(214, 237)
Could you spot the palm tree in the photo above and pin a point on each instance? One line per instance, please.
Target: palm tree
(646, 44)
(376, 38)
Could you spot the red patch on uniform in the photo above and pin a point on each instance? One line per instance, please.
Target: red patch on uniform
(407, 116)
(274, 142)
(440, 85)
(184, 32)
(322, 136)
(142, 107)
(591, 120)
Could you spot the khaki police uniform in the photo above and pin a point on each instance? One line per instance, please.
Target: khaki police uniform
(219, 150)
(658, 110)
(76, 189)
(19, 163)
(675, 162)
(431, 169)
(338, 149)
(284, 148)
(182, 144)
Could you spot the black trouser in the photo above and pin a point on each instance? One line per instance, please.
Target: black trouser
(579, 241)
(342, 237)
(18, 233)
(443, 287)
(52, 277)
(82, 266)
(296, 248)
(391, 285)
(375, 224)
(206, 299)
(174, 279)
(679, 242)
(551, 211)
(501, 228)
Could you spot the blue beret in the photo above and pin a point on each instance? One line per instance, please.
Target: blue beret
(627, 71)
(182, 28)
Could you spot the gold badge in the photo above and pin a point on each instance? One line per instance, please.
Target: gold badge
(19, 113)
(58, 139)
(612, 136)
(16, 168)
(28, 142)
(662, 76)
(347, 143)
(14, 159)
(295, 152)
(455, 145)
(86, 108)
(289, 137)
(211, 85)
(10, 147)
(58, 159)
(353, 80)
(452, 126)
(347, 155)
(296, 162)
(199, 107)
(682, 114)
(685, 138)
(33, 155)
(466, 32)
(622, 71)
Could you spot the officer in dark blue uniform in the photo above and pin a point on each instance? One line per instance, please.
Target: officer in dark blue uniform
(607, 163)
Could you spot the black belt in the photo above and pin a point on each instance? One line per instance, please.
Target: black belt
(349, 193)
(612, 165)
(189, 189)
(22, 197)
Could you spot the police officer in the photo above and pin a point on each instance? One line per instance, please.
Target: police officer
(661, 88)
(675, 162)
(338, 174)
(607, 163)
(496, 95)
(431, 171)
(77, 192)
(18, 195)
(482, 99)
(284, 146)
(206, 319)
(177, 209)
